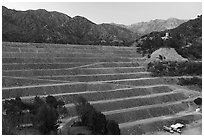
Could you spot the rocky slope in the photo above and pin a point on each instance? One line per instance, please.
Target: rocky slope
(166, 54)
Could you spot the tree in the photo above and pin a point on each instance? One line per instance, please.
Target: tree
(94, 120)
(90, 118)
(47, 116)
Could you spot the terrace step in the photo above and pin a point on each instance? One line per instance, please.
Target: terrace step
(172, 80)
(46, 45)
(63, 53)
(129, 119)
(53, 47)
(97, 77)
(66, 60)
(72, 71)
(109, 94)
(67, 53)
(8, 81)
(61, 87)
(116, 106)
(146, 81)
(115, 64)
(148, 112)
(33, 66)
(64, 46)
(106, 52)
(20, 66)
(47, 89)
(110, 78)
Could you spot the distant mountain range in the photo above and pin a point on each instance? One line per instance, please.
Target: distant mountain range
(54, 27)
(155, 25)
(143, 28)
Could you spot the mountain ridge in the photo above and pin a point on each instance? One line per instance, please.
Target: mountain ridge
(155, 25)
(54, 27)
(44, 26)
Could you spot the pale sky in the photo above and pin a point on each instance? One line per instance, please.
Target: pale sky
(116, 12)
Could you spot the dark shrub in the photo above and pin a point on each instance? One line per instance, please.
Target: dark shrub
(190, 81)
(198, 101)
(47, 117)
(172, 68)
(52, 101)
(112, 128)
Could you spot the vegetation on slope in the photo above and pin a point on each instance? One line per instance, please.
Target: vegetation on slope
(41, 115)
(44, 117)
(94, 120)
(175, 68)
(179, 69)
(191, 81)
(41, 26)
(186, 39)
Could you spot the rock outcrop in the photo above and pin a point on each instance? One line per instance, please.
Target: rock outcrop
(166, 54)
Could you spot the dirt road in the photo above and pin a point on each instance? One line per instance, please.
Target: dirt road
(194, 128)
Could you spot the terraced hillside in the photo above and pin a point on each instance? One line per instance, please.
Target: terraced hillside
(110, 78)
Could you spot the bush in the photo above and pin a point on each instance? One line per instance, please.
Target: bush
(198, 101)
(190, 81)
(170, 68)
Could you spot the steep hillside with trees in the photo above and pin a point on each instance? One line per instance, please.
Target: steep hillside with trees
(53, 27)
(186, 39)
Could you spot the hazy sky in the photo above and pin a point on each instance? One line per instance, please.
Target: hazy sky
(117, 12)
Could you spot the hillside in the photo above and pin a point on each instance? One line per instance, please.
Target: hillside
(54, 27)
(112, 79)
(186, 39)
(155, 25)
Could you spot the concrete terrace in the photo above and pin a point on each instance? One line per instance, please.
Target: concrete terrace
(110, 78)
